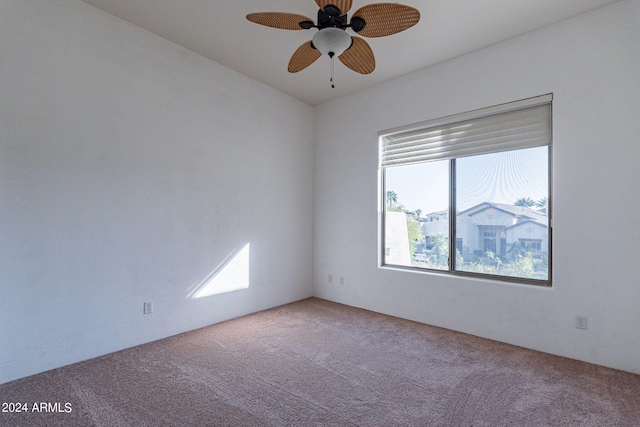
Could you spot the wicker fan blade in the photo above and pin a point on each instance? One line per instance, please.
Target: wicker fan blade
(384, 19)
(343, 5)
(282, 20)
(359, 57)
(304, 56)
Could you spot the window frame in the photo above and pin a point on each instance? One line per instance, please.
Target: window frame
(452, 238)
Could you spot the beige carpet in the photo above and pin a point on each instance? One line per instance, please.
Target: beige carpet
(317, 363)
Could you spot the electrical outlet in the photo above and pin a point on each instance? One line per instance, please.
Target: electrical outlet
(581, 322)
(148, 307)
(342, 280)
(330, 278)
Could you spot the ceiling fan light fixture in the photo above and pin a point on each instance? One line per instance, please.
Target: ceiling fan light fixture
(332, 41)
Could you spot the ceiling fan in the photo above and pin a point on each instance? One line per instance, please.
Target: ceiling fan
(332, 39)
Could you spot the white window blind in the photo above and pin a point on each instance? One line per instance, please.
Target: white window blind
(520, 124)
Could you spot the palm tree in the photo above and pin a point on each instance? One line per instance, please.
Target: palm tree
(542, 204)
(392, 198)
(525, 202)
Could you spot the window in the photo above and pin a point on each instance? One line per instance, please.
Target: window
(470, 194)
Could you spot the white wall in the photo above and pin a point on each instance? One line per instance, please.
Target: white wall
(591, 64)
(129, 169)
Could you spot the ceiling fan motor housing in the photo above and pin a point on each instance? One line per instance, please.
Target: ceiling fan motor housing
(327, 20)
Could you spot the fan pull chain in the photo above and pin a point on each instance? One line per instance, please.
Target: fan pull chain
(333, 86)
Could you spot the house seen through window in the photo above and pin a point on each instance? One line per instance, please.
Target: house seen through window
(470, 194)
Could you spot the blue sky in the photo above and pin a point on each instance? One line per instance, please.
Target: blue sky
(498, 177)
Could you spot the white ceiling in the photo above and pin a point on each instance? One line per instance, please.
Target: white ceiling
(219, 30)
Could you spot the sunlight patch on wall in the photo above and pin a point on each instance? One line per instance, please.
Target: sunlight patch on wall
(231, 275)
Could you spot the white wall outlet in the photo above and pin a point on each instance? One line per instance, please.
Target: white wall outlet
(581, 321)
(148, 307)
(330, 278)
(342, 280)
